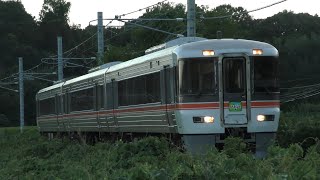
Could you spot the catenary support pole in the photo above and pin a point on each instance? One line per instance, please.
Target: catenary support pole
(60, 60)
(191, 18)
(100, 38)
(21, 93)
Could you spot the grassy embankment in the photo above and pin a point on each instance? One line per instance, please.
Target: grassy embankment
(30, 156)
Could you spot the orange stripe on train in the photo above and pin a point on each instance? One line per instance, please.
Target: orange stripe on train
(214, 105)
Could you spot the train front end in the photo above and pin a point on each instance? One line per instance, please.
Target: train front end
(227, 88)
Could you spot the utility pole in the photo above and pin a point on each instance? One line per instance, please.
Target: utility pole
(191, 19)
(100, 38)
(60, 60)
(21, 93)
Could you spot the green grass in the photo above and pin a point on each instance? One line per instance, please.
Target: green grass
(299, 124)
(296, 156)
(8, 131)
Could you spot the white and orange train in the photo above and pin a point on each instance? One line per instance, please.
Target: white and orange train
(202, 90)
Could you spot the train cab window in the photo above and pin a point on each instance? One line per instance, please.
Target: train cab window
(234, 75)
(82, 100)
(47, 106)
(139, 90)
(197, 77)
(266, 73)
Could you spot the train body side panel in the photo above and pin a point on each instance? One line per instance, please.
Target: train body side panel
(48, 123)
(83, 121)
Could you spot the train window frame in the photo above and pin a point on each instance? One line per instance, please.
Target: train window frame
(198, 97)
(215, 83)
(276, 81)
(51, 110)
(149, 94)
(73, 104)
(228, 75)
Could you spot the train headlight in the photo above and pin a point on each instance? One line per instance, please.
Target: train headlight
(208, 119)
(208, 52)
(205, 119)
(257, 51)
(262, 118)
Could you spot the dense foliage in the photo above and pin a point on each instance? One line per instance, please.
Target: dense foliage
(295, 155)
(299, 123)
(297, 36)
(29, 156)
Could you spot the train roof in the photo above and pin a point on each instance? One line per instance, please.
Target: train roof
(142, 59)
(116, 67)
(221, 46)
(86, 76)
(55, 86)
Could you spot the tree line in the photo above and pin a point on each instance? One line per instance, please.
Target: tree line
(296, 36)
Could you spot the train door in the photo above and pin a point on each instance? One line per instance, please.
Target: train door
(234, 85)
(167, 94)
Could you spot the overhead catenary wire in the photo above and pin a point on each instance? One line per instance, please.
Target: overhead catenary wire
(130, 28)
(238, 14)
(86, 40)
(301, 92)
(300, 95)
(77, 46)
(300, 87)
(297, 94)
(158, 3)
(119, 16)
(175, 19)
(151, 28)
(69, 51)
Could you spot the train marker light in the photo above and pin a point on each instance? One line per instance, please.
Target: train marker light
(208, 119)
(257, 51)
(208, 52)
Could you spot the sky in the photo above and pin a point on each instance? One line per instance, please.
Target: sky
(83, 11)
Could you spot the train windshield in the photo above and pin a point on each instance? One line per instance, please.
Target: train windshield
(197, 76)
(266, 74)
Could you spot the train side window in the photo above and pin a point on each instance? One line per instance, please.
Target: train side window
(101, 97)
(82, 100)
(66, 104)
(140, 90)
(152, 88)
(58, 104)
(47, 106)
(122, 93)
